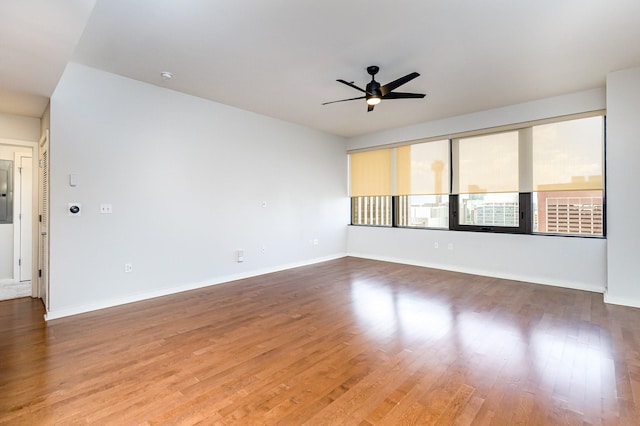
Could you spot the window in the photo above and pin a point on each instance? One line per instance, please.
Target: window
(406, 186)
(371, 210)
(542, 178)
(487, 164)
(422, 185)
(568, 177)
(423, 211)
(487, 183)
(371, 188)
(489, 209)
(570, 212)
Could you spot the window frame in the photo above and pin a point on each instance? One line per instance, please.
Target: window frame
(525, 198)
(525, 218)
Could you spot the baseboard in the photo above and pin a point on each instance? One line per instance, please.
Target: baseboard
(103, 304)
(612, 300)
(486, 273)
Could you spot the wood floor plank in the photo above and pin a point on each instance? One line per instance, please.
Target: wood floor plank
(345, 342)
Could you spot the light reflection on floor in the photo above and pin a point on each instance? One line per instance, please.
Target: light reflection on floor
(383, 312)
(549, 352)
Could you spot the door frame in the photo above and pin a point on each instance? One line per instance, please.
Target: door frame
(40, 282)
(17, 238)
(34, 193)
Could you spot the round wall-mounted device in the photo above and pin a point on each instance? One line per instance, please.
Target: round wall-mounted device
(74, 209)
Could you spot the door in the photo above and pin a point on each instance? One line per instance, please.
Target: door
(43, 221)
(25, 218)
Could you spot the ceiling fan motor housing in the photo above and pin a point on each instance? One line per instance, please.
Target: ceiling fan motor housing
(373, 89)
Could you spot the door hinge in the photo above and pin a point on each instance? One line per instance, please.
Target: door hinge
(19, 262)
(39, 273)
(40, 218)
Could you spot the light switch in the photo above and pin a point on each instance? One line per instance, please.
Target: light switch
(73, 179)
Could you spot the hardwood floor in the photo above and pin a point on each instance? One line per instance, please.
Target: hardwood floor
(346, 342)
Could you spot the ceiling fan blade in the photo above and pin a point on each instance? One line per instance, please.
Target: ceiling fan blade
(344, 100)
(397, 83)
(401, 95)
(370, 108)
(351, 85)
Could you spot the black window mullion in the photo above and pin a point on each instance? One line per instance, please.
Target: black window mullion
(525, 208)
(394, 211)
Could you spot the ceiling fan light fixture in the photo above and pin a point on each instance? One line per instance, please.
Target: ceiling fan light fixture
(373, 100)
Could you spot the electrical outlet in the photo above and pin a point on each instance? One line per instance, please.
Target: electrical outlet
(239, 255)
(436, 245)
(128, 267)
(106, 209)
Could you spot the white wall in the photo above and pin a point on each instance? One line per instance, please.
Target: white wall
(590, 100)
(20, 128)
(45, 122)
(187, 179)
(563, 261)
(623, 204)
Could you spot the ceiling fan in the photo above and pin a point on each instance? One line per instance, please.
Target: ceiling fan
(374, 93)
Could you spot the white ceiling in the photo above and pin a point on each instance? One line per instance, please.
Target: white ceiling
(281, 57)
(37, 39)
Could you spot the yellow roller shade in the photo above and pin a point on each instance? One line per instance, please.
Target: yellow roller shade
(488, 164)
(371, 173)
(568, 155)
(423, 169)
